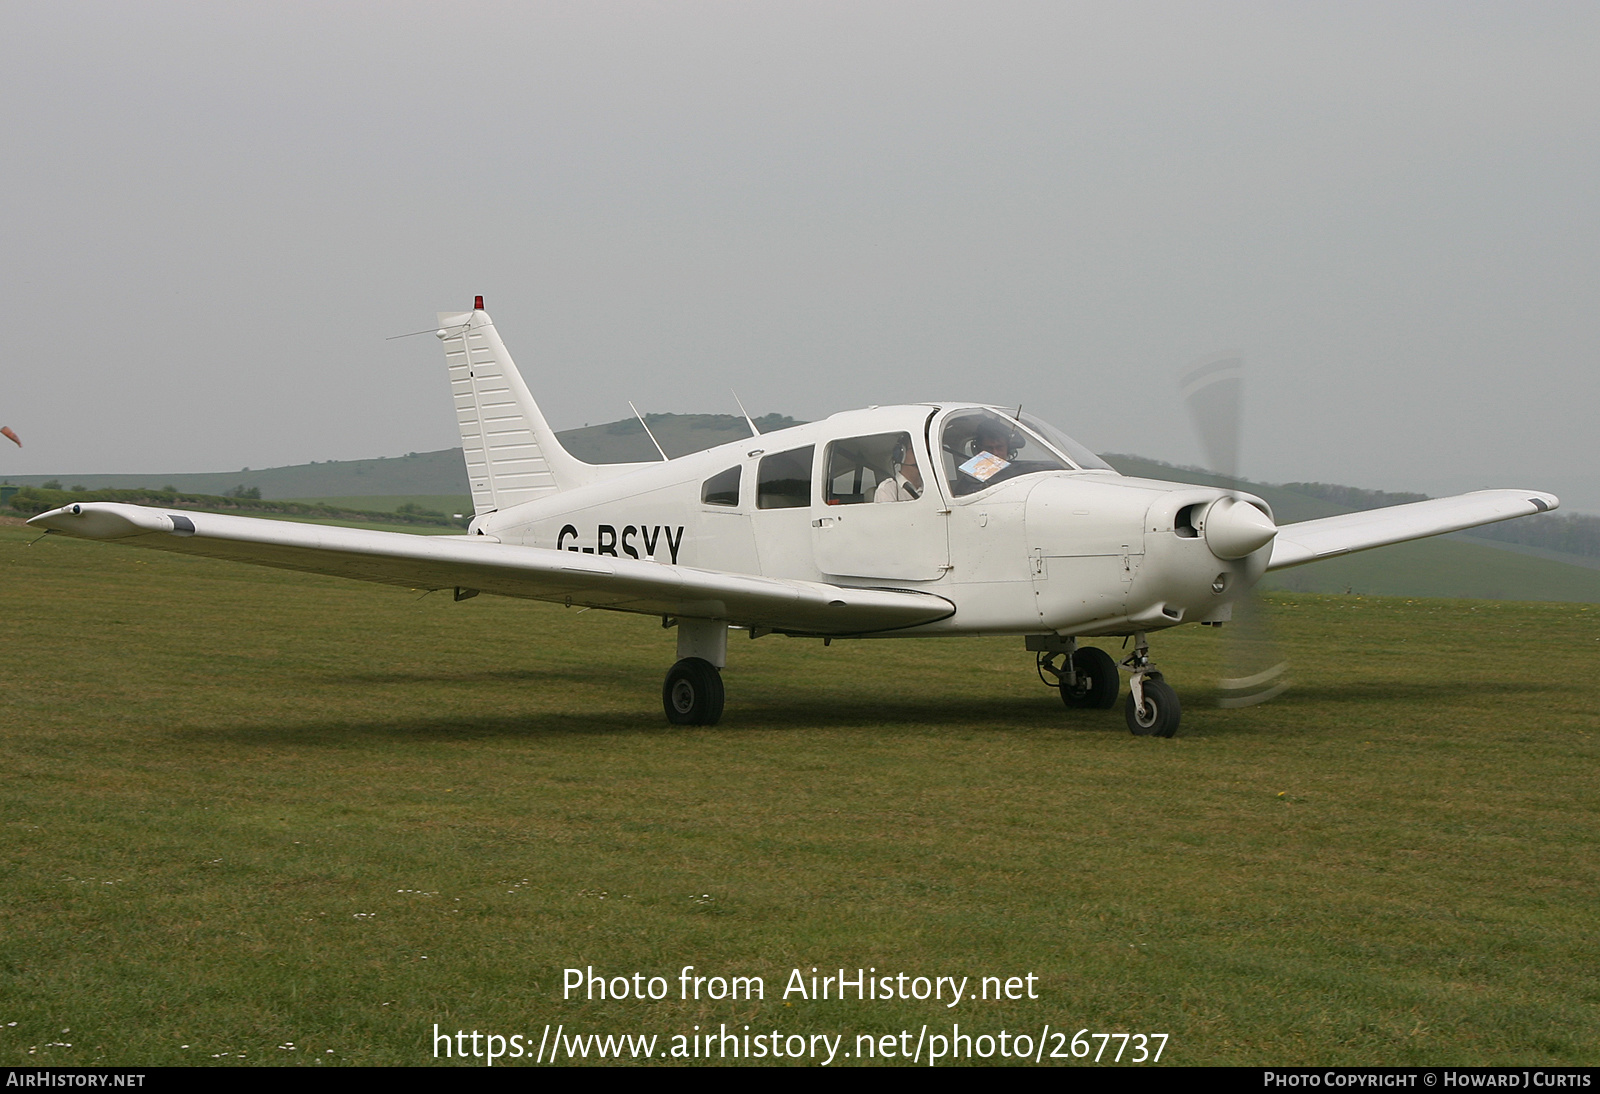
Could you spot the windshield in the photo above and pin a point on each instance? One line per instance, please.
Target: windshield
(982, 447)
(1074, 451)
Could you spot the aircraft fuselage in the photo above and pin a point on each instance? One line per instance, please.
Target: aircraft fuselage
(1073, 552)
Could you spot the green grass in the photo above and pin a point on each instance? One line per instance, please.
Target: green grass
(244, 808)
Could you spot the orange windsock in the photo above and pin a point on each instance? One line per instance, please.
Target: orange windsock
(5, 429)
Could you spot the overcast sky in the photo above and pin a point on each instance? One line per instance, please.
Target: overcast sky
(214, 215)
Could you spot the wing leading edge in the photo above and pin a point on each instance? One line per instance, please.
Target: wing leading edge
(534, 573)
(1309, 541)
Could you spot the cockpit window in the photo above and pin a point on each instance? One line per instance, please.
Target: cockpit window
(982, 447)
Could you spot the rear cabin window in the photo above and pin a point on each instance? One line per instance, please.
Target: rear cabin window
(784, 481)
(721, 488)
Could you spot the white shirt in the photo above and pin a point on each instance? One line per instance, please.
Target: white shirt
(898, 488)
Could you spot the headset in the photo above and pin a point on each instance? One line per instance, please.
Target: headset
(902, 448)
(1010, 442)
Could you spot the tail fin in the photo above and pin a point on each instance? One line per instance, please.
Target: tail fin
(512, 453)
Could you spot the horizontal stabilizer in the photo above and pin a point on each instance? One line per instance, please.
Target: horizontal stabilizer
(485, 565)
(1329, 537)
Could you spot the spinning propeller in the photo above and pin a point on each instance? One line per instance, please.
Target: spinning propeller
(1253, 669)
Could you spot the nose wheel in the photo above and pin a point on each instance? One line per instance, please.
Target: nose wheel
(1153, 709)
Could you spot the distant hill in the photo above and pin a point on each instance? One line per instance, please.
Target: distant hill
(433, 473)
(678, 435)
(1461, 565)
(1565, 537)
(1552, 557)
(1570, 534)
(417, 473)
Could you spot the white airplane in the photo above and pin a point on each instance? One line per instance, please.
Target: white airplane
(890, 522)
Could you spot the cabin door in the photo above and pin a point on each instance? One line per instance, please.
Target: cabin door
(875, 515)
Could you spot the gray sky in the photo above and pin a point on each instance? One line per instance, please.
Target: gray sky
(214, 214)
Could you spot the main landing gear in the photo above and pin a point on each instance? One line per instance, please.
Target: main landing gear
(1086, 677)
(692, 692)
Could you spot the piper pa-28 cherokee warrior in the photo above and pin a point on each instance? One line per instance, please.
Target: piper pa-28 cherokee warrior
(889, 522)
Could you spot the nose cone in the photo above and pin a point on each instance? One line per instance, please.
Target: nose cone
(1235, 528)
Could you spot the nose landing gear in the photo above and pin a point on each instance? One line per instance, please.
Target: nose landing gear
(1153, 709)
(1086, 678)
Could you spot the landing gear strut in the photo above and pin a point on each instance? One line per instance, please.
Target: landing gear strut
(1086, 676)
(1153, 709)
(692, 692)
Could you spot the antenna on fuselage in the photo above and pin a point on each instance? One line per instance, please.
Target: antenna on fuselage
(754, 432)
(647, 432)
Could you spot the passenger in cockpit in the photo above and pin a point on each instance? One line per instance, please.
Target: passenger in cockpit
(906, 483)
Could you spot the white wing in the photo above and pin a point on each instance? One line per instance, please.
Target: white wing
(477, 562)
(1298, 544)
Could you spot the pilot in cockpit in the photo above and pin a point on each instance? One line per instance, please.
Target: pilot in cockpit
(906, 482)
(993, 440)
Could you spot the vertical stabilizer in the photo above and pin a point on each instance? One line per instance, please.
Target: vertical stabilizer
(512, 453)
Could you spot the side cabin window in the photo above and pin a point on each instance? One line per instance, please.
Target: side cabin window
(721, 488)
(784, 480)
(980, 448)
(860, 467)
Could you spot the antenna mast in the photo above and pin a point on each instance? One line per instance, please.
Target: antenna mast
(754, 432)
(647, 432)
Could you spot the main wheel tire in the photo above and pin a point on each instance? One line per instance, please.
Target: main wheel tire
(1160, 713)
(1096, 686)
(692, 693)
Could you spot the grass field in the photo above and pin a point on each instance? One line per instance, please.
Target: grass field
(258, 817)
